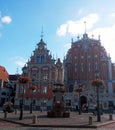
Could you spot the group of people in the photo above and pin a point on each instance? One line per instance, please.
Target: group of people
(85, 108)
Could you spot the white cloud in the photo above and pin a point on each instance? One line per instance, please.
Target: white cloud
(77, 27)
(67, 46)
(106, 33)
(80, 11)
(61, 31)
(107, 39)
(113, 14)
(19, 61)
(6, 19)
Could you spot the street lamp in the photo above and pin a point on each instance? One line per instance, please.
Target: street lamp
(33, 90)
(22, 103)
(22, 80)
(97, 83)
(97, 89)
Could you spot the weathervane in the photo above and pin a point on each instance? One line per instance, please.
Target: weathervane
(85, 25)
(42, 33)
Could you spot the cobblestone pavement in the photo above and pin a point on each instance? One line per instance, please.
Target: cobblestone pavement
(36, 128)
(109, 126)
(74, 120)
(8, 124)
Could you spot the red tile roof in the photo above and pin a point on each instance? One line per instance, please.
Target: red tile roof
(4, 74)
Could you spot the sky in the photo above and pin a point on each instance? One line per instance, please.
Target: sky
(22, 21)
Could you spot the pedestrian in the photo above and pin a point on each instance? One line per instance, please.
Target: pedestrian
(95, 111)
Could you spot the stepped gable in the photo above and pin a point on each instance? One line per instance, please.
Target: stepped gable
(41, 54)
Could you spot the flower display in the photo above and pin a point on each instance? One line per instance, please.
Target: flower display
(97, 82)
(8, 107)
(79, 89)
(24, 79)
(33, 87)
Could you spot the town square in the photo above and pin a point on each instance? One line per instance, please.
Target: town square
(71, 89)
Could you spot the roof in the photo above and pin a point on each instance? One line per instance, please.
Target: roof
(14, 77)
(4, 74)
(86, 40)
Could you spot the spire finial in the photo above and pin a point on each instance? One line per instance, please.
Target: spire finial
(42, 33)
(71, 40)
(99, 37)
(85, 26)
(17, 71)
(92, 36)
(78, 37)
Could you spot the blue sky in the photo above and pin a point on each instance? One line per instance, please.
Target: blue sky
(21, 24)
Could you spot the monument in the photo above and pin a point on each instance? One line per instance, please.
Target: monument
(58, 109)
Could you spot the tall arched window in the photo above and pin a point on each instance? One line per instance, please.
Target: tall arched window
(42, 59)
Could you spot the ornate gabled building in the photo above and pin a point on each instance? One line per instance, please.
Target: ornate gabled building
(42, 69)
(86, 56)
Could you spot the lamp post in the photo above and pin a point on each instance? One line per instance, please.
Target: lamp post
(22, 103)
(33, 90)
(23, 80)
(97, 83)
(97, 90)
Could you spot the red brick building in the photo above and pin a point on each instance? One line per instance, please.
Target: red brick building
(83, 59)
(42, 69)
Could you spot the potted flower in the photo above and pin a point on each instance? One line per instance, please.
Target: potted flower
(8, 107)
(79, 89)
(33, 87)
(97, 82)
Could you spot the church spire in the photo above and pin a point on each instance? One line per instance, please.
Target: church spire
(85, 26)
(42, 34)
(85, 35)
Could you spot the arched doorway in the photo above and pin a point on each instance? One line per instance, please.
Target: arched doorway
(83, 103)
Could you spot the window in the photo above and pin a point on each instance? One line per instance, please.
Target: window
(44, 90)
(38, 59)
(82, 67)
(34, 76)
(96, 66)
(42, 59)
(43, 102)
(95, 56)
(45, 77)
(89, 56)
(89, 67)
(82, 57)
(75, 67)
(75, 57)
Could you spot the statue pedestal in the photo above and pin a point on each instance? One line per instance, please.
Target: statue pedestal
(58, 103)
